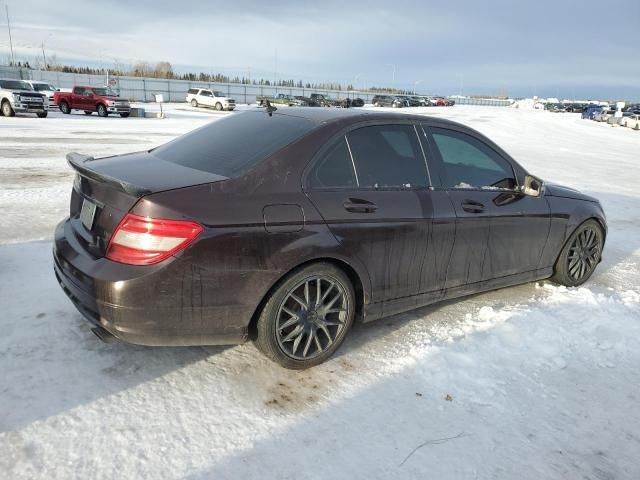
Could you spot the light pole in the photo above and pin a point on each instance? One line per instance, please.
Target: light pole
(392, 65)
(355, 79)
(415, 84)
(6, 9)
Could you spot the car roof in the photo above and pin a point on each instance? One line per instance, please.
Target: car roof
(322, 115)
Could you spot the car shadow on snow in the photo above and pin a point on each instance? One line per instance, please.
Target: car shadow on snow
(50, 360)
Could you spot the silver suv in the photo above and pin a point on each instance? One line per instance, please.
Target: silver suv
(17, 96)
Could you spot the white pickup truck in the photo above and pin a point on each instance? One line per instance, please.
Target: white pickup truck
(17, 96)
(203, 97)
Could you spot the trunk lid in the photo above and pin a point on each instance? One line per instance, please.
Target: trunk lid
(114, 185)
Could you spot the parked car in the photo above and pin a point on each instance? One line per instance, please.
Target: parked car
(285, 228)
(633, 108)
(591, 111)
(441, 102)
(45, 89)
(280, 99)
(387, 101)
(410, 101)
(357, 102)
(631, 121)
(17, 96)
(203, 97)
(92, 99)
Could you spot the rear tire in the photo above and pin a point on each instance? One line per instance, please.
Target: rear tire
(194, 103)
(218, 106)
(102, 111)
(7, 109)
(64, 108)
(580, 255)
(42, 115)
(306, 318)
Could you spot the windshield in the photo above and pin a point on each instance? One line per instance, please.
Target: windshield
(233, 145)
(105, 92)
(40, 87)
(15, 85)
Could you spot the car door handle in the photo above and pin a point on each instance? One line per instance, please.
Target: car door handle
(472, 206)
(359, 205)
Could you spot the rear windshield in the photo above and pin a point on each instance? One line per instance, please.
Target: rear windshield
(235, 144)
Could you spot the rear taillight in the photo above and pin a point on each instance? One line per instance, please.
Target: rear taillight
(145, 241)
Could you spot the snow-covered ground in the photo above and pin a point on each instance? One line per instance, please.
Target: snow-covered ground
(531, 382)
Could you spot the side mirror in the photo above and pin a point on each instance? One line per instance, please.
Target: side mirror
(532, 186)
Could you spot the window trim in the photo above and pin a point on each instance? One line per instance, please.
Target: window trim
(427, 128)
(343, 133)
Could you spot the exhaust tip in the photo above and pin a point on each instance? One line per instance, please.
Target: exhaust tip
(104, 335)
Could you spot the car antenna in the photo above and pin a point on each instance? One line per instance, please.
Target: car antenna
(270, 108)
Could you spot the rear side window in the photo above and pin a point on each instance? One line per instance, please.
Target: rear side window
(388, 156)
(469, 163)
(334, 169)
(193, 91)
(233, 145)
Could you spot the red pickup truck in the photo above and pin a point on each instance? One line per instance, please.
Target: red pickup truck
(92, 99)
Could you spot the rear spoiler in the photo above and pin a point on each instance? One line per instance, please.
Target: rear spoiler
(78, 162)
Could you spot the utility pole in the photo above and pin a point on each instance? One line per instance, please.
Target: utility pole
(13, 60)
(44, 57)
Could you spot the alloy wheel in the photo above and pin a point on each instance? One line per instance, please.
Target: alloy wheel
(584, 254)
(311, 317)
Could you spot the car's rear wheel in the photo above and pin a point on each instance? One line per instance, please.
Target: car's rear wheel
(64, 108)
(580, 255)
(307, 317)
(7, 110)
(102, 111)
(194, 102)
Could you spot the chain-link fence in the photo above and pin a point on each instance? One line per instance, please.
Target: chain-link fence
(143, 89)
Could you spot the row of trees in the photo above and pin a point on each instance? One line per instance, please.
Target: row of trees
(165, 70)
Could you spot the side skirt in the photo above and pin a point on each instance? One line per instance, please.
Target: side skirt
(374, 311)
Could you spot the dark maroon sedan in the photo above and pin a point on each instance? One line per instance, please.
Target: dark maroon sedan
(285, 227)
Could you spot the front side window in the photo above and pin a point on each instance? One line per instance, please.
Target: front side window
(469, 163)
(388, 156)
(334, 169)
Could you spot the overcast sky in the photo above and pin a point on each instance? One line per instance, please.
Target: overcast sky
(583, 48)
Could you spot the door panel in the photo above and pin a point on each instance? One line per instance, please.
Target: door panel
(389, 239)
(499, 231)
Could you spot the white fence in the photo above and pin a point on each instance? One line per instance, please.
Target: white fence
(142, 89)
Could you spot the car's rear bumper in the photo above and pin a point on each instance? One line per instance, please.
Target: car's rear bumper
(153, 305)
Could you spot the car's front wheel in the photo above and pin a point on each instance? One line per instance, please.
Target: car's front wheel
(580, 255)
(42, 114)
(307, 317)
(64, 108)
(102, 111)
(7, 110)
(218, 106)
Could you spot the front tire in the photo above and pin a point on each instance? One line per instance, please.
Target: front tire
(580, 255)
(42, 115)
(7, 109)
(307, 317)
(218, 106)
(102, 111)
(64, 108)
(124, 115)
